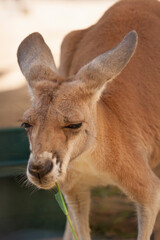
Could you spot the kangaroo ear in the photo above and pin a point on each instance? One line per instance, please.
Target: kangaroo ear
(35, 59)
(108, 65)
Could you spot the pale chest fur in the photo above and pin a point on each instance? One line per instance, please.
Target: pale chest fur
(82, 171)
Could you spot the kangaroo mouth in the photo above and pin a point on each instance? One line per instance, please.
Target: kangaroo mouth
(46, 169)
(47, 181)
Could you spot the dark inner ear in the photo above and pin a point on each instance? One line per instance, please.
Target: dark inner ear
(35, 59)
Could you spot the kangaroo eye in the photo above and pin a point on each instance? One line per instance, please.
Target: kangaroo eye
(74, 126)
(26, 125)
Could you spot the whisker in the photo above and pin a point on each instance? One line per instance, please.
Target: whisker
(52, 191)
(22, 180)
(34, 190)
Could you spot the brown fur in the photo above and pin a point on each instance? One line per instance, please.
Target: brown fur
(119, 141)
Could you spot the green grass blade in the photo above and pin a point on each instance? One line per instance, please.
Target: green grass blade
(61, 202)
(74, 234)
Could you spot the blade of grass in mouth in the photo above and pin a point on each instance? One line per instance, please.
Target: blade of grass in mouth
(61, 202)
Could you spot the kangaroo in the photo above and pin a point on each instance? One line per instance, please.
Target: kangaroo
(92, 124)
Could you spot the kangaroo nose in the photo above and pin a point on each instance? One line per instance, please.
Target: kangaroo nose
(40, 171)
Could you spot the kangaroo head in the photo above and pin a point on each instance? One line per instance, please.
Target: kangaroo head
(62, 121)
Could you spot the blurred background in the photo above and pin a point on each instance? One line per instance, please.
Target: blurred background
(26, 213)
